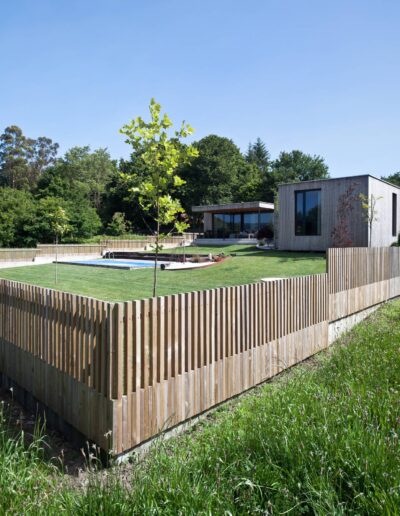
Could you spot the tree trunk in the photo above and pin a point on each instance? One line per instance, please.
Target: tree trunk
(56, 271)
(370, 234)
(156, 258)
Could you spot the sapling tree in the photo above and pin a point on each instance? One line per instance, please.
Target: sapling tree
(159, 153)
(368, 204)
(340, 233)
(58, 220)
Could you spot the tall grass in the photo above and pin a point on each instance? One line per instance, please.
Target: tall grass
(26, 480)
(322, 440)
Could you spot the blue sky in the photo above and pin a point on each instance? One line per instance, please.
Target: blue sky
(316, 75)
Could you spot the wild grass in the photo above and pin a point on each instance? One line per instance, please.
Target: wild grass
(26, 480)
(323, 439)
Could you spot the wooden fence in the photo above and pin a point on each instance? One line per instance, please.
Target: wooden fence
(361, 277)
(21, 255)
(130, 370)
(49, 250)
(45, 250)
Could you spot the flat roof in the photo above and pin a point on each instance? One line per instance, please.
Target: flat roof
(340, 179)
(235, 206)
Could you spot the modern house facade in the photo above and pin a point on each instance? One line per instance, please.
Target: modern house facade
(309, 212)
(235, 221)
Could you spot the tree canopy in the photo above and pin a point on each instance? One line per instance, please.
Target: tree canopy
(393, 178)
(22, 159)
(92, 189)
(219, 174)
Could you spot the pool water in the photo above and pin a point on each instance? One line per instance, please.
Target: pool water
(114, 264)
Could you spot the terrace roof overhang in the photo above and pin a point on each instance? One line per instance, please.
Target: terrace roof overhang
(236, 207)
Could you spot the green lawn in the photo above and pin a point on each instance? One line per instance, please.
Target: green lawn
(249, 265)
(323, 439)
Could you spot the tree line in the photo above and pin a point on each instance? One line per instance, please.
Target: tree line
(96, 191)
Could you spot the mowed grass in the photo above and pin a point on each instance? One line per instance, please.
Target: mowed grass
(323, 439)
(249, 265)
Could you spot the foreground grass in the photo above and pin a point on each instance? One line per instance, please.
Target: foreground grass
(249, 265)
(26, 480)
(321, 440)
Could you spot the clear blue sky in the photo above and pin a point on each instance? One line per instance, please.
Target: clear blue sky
(316, 75)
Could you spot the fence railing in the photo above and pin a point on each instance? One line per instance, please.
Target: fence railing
(133, 369)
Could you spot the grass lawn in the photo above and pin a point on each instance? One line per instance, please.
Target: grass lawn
(249, 265)
(322, 439)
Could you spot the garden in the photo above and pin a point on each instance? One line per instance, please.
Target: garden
(244, 264)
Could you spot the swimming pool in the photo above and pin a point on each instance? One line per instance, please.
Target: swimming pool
(114, 263)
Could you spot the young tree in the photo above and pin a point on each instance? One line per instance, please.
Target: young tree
(160, 155)
(368, 204)
(59, 225)
(340, 233)
(118, 225)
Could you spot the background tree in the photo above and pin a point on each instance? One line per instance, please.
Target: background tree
(369, 205)
(258, 155)
(160, 155)
(87, 171)
(393, 178)
(219, 174)
(22, 160)
(118, 225)
(43, 154)
(295, 166)
(15, 150)
(17, 214)
(83, 220)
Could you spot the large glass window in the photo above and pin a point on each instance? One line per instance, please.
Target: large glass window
(308, 212)
(394, 214)
(266, 218)
(233, 224)
(250, 222)
(236, 223)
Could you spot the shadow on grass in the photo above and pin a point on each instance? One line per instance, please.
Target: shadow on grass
(284, 255)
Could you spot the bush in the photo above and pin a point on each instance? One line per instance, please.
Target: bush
(266, 231)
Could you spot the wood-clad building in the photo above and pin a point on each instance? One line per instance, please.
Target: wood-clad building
(309, 211)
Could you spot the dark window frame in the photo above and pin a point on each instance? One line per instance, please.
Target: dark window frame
(231, 216)
(304, 192)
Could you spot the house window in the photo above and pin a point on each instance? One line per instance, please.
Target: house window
(250, 222)
(394, 214)
(308, 212)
